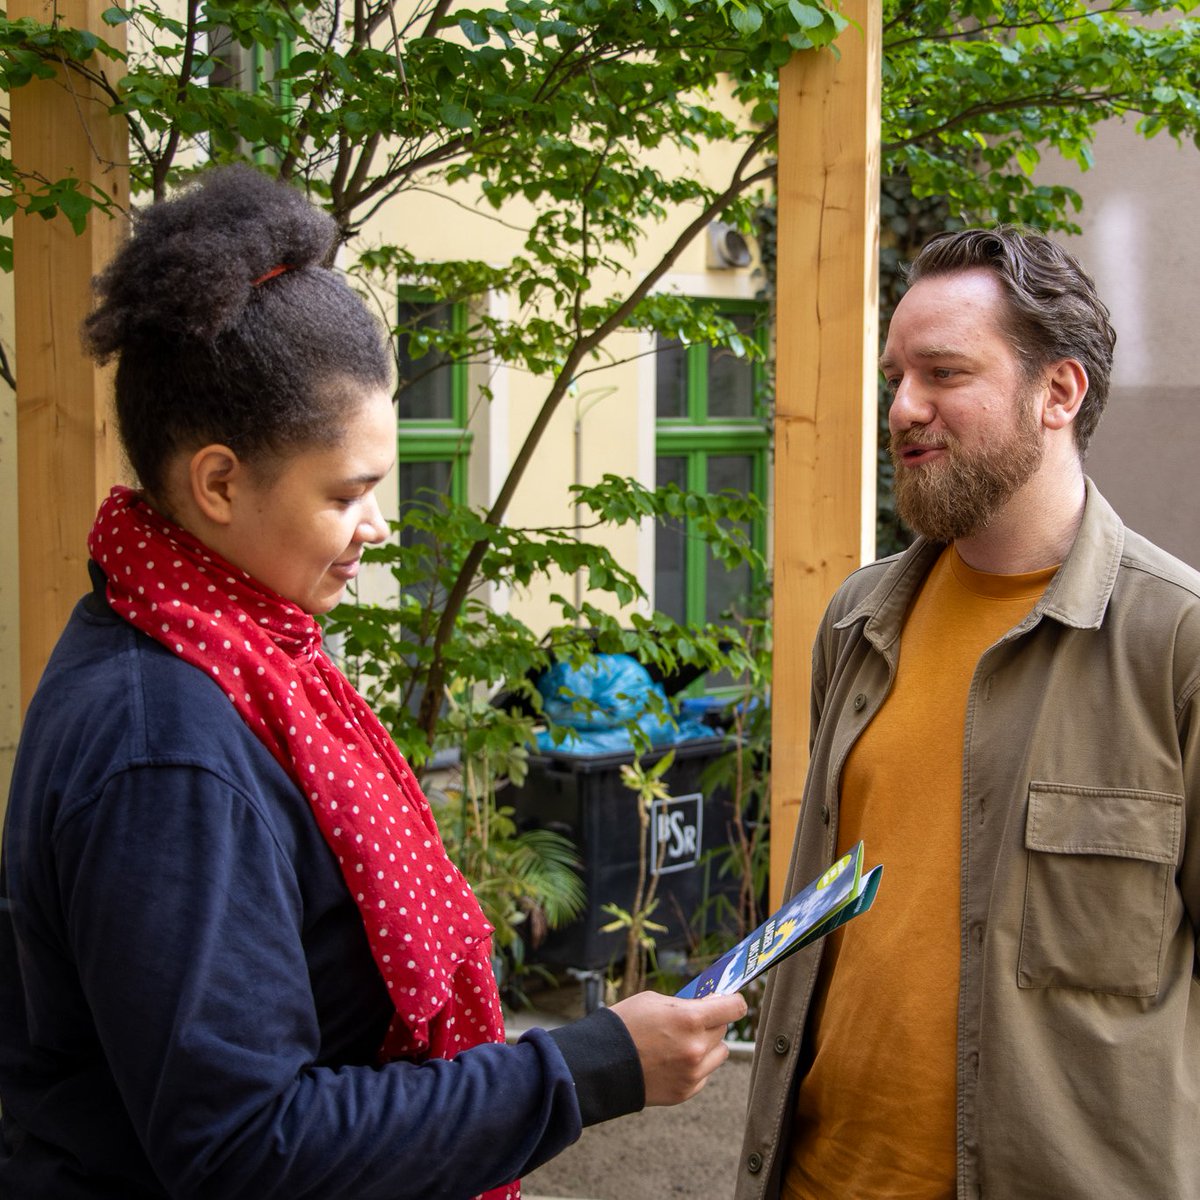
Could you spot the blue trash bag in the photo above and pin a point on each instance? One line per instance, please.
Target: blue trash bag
(618, 691)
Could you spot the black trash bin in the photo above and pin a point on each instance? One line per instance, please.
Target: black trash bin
(583, 797)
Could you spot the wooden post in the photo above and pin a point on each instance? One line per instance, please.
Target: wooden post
(66, 452)
(827, 352)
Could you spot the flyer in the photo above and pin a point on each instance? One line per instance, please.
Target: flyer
(840, 894)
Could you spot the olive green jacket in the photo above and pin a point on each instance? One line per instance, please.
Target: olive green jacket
(1079, 1002)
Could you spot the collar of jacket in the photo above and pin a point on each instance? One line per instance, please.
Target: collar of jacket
(1078, 594)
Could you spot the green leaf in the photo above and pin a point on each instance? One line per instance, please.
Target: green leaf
(807, 16)
(474, 33)
(1028, 159)
(75, 207)
(455, 116)
(747, 20)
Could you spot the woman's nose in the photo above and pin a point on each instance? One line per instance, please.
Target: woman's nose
(373, 528)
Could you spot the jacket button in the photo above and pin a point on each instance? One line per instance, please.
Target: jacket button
(860, 702)
(754, 1163)
(782, 1045)
(824, 814)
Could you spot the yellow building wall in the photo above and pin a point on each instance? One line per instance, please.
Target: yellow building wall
(614, 404)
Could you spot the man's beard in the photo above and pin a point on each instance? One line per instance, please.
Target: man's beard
(959, 494)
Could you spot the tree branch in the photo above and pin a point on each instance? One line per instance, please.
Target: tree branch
(316, 97)
(1052, 100)
(162, 164)
(946, 35)
(581, 348)
(440, 9)
(386, 184)
(6, 369)
(100, 81)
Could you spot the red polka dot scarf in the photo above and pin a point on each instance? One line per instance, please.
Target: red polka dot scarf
(426, 930)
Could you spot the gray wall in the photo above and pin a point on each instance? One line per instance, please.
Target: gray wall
(1141, 242)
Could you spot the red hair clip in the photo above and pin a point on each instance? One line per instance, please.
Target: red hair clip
(279, 270)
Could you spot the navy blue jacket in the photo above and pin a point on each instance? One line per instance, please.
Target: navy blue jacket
(188, 1005)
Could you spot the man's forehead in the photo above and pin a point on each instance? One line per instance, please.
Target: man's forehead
(943, 316)
(932, 351)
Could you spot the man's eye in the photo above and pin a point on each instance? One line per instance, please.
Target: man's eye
(943, 373)
(892, 382)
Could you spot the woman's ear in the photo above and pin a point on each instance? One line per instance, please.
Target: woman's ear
(214, 475)
(1066, 386)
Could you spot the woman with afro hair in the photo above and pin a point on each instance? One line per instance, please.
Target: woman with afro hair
(235, 960)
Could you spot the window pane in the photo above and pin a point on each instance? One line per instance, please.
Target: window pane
(731, 379)
(422, 483)
(670, 549)
(426, 392)
(671, 378)
(725, 587)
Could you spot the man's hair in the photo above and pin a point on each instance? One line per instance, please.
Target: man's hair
(1053, 311)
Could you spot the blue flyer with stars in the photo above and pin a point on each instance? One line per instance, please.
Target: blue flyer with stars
(839, 895)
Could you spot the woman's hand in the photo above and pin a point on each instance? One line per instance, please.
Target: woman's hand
(680, 1042)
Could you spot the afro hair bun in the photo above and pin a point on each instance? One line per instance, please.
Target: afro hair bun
(188, 270)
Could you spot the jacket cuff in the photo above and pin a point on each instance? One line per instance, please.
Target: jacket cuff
(604, 1063)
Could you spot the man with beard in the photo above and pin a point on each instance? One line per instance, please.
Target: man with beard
(1007, 714)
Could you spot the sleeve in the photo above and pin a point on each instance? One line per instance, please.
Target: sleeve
(184, 916)
(604, 1063)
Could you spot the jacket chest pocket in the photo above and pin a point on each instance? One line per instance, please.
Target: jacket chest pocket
(1101, 863)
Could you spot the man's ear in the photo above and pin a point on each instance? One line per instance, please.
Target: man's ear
(214, 474)
(1066, 386)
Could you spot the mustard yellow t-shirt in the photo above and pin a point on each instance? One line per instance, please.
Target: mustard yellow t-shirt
(875, 1116)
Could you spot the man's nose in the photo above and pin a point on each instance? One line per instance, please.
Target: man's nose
(909, 406)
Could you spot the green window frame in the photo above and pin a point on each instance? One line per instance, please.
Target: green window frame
(438, 394)
(248, 68)
(712, 431)
(265, 65)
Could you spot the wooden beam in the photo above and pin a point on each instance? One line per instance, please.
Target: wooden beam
(66, 449)
(826, 355)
